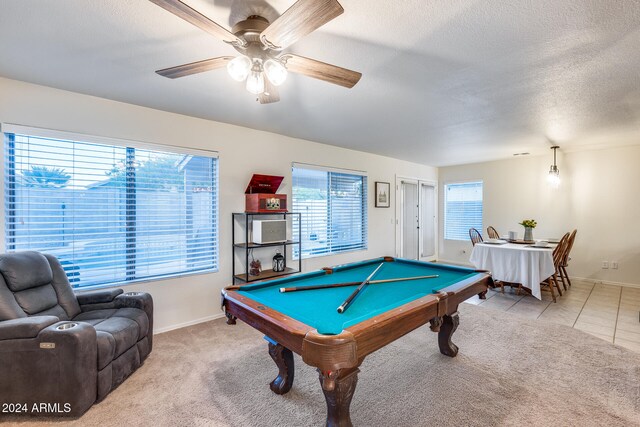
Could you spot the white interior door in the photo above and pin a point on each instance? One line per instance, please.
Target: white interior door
(416, 219)
(428, 220)
(410, 224)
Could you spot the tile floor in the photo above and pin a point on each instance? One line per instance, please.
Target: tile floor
(606, 311)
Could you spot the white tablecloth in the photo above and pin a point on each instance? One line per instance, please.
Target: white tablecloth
(515, 263)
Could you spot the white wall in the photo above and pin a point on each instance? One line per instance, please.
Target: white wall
(598, 195)
(242, 151)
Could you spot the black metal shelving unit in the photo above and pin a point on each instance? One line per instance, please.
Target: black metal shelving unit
(246, 219)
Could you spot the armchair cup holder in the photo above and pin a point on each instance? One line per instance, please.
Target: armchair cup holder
(66, 326)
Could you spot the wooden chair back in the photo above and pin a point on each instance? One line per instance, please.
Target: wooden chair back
(492, 233)
(559, 251)
(475, 236)
(572, 238)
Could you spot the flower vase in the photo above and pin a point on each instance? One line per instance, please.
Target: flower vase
(528, 234)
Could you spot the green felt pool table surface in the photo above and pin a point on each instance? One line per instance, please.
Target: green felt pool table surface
(318, 308)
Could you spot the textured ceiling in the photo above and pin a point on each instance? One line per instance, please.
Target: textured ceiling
(444, 82)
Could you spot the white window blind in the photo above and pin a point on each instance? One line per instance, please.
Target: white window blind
(111, 213)
(333, 207)
(463, 209)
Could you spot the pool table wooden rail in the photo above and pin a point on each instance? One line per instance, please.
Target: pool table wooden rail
(347, 349)
(281, 328)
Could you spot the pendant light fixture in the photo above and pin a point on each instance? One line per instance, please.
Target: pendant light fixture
(554, 173)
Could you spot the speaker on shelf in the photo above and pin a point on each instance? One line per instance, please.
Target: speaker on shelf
(269, 231)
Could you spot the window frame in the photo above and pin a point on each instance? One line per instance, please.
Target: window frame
(444, 207)
(364, 208)
(9, 131)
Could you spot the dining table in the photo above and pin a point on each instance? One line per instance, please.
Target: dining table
(515, 263)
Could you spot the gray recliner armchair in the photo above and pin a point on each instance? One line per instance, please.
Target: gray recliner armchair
(63, 349)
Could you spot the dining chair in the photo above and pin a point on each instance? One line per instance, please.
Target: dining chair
(551, 282)
(492, 233)
(565, 259)
(475, 236)
(558, 255)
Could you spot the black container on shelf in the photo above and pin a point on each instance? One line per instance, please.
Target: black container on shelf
(278, 262)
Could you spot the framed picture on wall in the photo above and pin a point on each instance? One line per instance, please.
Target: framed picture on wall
(383, 194)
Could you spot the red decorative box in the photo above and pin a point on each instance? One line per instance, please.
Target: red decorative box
(260, 195)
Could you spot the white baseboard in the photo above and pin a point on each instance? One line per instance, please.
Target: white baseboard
(189, 323)
(607, 282)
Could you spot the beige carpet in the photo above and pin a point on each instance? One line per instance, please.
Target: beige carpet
(509, 371)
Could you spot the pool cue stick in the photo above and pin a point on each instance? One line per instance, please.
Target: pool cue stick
(355, 293)
(341, 285)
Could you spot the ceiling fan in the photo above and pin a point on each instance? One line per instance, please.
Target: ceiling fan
(260, 43)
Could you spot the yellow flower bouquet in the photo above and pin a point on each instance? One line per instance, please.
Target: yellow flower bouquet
(530, 223)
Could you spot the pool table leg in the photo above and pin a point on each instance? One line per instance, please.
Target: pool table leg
(448, 327)
(284, 361)
(338, 388)
(231, 319)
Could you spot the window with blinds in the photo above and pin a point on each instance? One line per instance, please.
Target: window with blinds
(333, 208)
(111, 214)
(462, 209)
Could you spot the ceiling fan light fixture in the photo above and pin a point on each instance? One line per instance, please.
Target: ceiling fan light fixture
(255, 82)
(260, 39)
(275, 71)
(239, 68)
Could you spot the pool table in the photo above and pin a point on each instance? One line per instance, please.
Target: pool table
(308, 323)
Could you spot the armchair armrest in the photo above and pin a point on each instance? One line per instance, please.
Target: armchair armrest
(80, 335)
(25, 327)
(141, 300)
(144, 302)
(98, 297)
(57, 366)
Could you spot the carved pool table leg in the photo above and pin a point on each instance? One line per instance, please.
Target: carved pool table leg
(435, 324)
(483, 294)
(231, 319)
(448, 327)
(284, 361)
(338, 388)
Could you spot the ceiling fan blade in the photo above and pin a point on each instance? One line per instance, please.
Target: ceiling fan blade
(195, 67)
(299, 20)
(320, 70)
(270, 93)
(194, 17)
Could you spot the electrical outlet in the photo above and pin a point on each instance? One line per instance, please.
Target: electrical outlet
(605, 264)
(614, 265)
